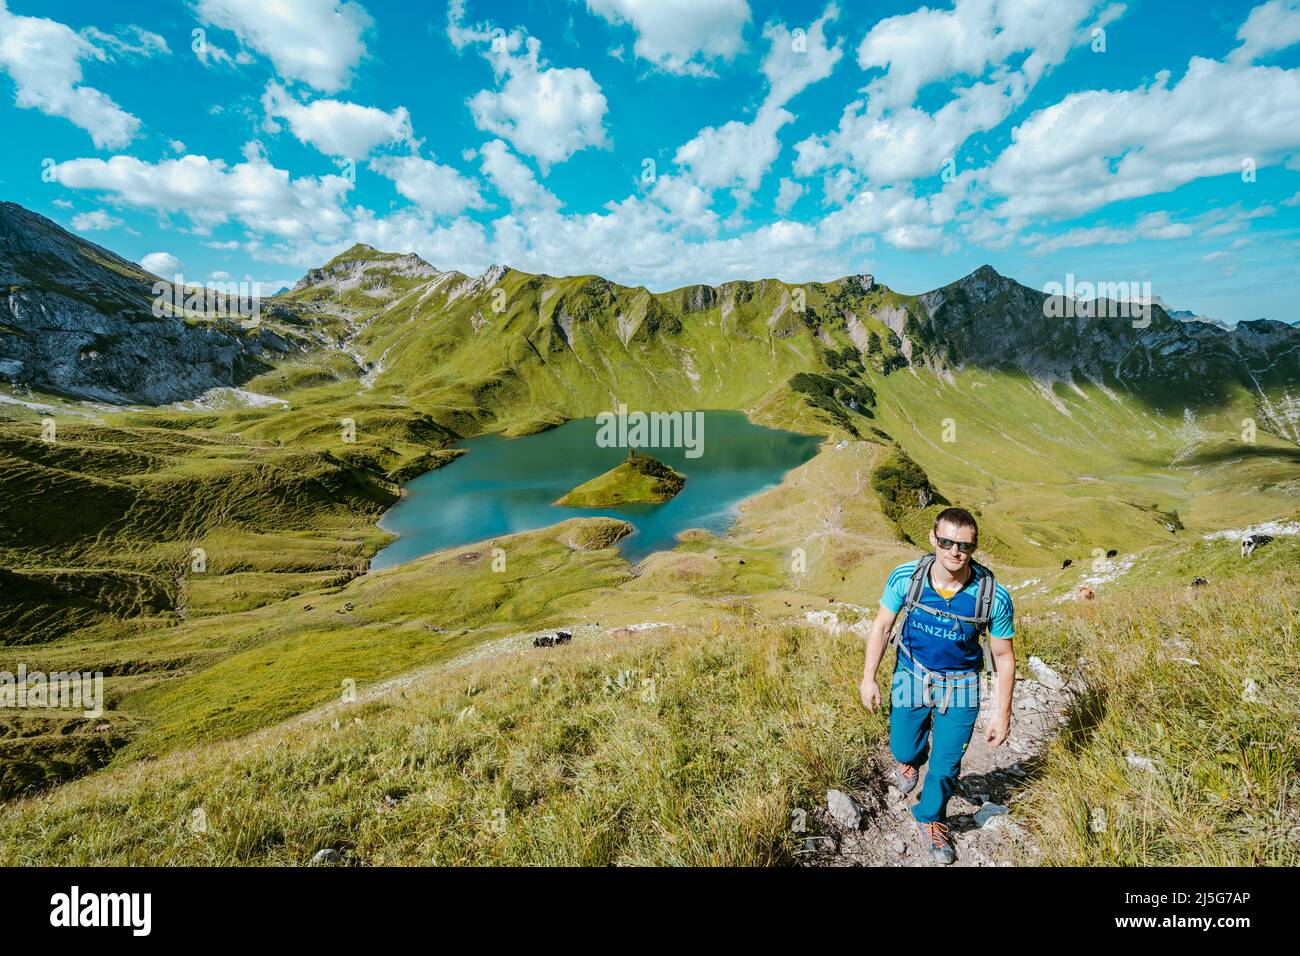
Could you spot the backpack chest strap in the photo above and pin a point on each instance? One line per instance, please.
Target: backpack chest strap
(940, 612)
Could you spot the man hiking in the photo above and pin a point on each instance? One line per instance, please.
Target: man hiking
(948, 601)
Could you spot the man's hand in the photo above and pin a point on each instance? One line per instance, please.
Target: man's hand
(869, 691)
(998, 731)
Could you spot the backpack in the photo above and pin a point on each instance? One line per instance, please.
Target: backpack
(983, 605)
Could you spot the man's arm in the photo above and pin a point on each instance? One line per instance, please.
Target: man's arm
(877, 640)
(1001, 629)
(1004, 659)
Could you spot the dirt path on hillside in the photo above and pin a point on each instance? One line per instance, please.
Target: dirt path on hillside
(989, 776)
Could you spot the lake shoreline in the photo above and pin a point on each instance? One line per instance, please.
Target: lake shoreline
(505, 489)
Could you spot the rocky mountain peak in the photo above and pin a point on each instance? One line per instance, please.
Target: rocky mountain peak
(38, 254)
(363, 265)
(79, 320)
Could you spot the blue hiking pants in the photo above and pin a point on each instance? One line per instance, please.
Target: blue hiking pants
(918, 711)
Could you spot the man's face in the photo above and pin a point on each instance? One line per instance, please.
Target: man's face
(951, 558)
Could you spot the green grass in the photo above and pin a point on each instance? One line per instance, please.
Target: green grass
(639, 479)
(1225, 784)
(271, 663)
(690, 748)
(122, 537)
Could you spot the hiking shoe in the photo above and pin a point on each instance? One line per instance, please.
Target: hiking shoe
(905, 777)
(934, 837)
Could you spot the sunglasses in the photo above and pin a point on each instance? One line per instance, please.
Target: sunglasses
(965, 547)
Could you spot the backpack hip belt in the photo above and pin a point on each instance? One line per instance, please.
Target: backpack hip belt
(948, 680)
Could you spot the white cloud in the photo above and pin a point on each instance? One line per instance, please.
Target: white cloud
(44, 59)
(163, 264)
(1159, 225)
(681, 203)
(739, 154)
(209, 192)
(927, 46)
(96, 221)
(1153, 226)
(887, 138)
(460, 244)
(680, 36)
(128, 41)
(665, 238)
(914, 238)
(209, 53)
(1271, 27)
(796, 60)
(434, 187)
(514, 180)
(319, 42)
(1100, 146)
(545, 112)
(334, 127)
(838, 187)
(639, 242)
(910, 143)
(736, 152)
(902, 219)
(549, 114)
(787, 195)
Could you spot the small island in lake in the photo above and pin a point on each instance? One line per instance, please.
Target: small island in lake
(638, 480)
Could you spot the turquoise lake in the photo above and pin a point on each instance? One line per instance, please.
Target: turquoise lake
(502, 486)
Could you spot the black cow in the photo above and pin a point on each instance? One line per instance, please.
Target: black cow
(553, 640)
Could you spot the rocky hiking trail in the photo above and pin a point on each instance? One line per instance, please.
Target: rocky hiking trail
(874, 827)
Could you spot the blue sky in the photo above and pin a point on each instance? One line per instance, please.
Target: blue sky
(664, 142)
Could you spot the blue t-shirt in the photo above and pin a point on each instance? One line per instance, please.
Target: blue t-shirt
(942, 643)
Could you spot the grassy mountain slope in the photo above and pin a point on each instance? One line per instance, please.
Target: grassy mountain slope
(701, 744)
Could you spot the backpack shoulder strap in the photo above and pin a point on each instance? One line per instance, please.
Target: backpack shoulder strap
(984, 597)
(984, 612)
(914, 588)
(919, 577)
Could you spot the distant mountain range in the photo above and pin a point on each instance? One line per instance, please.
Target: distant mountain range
(78, 320)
